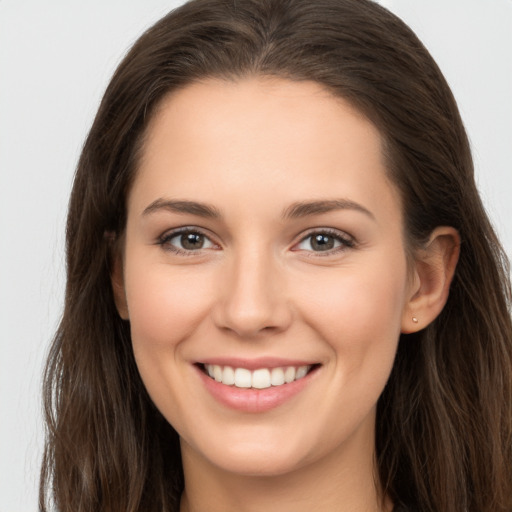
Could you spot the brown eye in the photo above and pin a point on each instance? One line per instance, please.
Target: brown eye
(192, 241)
(325, 241)
(322, 242)
(186, 241)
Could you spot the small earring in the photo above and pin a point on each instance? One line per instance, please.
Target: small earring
(414, 319)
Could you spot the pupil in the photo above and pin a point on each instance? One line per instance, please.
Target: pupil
(192, 241)
(322, 242)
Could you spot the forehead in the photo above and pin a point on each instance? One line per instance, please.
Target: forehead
(257, 106)
(266, 136)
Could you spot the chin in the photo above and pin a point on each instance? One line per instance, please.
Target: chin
(249, 458)
(260, 465)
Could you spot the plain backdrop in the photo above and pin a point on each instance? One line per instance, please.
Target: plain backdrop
(55, 60)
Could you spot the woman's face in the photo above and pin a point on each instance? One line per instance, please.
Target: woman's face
(264, 246)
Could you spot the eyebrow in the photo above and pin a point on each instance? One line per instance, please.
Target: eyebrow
(186, 207)
(305, 209)
(294, 211)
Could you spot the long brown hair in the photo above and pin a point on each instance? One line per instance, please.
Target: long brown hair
(444, 423)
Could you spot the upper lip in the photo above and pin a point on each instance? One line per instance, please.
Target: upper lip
(256, 363)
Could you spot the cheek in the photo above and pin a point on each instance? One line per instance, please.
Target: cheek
(356, 303)
(359, 319)
(164, 306)
(359, 315)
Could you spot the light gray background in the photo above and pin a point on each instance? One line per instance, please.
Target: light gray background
(55, 60)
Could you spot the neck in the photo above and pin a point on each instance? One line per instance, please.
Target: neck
(343, 480)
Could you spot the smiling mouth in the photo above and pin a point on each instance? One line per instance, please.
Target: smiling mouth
(261, 378)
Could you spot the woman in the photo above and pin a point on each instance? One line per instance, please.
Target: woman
(283, 290)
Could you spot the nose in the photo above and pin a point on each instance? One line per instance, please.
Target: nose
(252, 298)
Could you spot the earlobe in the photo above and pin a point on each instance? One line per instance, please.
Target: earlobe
(433, 273)
(118, 288)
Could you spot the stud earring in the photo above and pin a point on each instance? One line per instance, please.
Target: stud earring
(414, 319)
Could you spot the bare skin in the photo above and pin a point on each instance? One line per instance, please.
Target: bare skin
(262, 228)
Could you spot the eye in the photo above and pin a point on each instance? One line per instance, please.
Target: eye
(325, 241)
(186, 241)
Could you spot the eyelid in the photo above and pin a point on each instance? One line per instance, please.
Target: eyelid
(346, 241)
(164, 239)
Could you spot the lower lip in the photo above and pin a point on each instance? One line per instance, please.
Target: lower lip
(254, 400)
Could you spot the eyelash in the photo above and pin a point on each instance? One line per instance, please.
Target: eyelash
(345, 242)
(166, 238)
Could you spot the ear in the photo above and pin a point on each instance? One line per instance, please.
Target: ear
(117, 280)
(434, 267)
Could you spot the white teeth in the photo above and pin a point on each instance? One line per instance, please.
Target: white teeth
(277, 377)
(217, 373)
(301, 372)
(289, 374)
(228, 376)
(261, 379)
(258, 379)
(243, 378)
